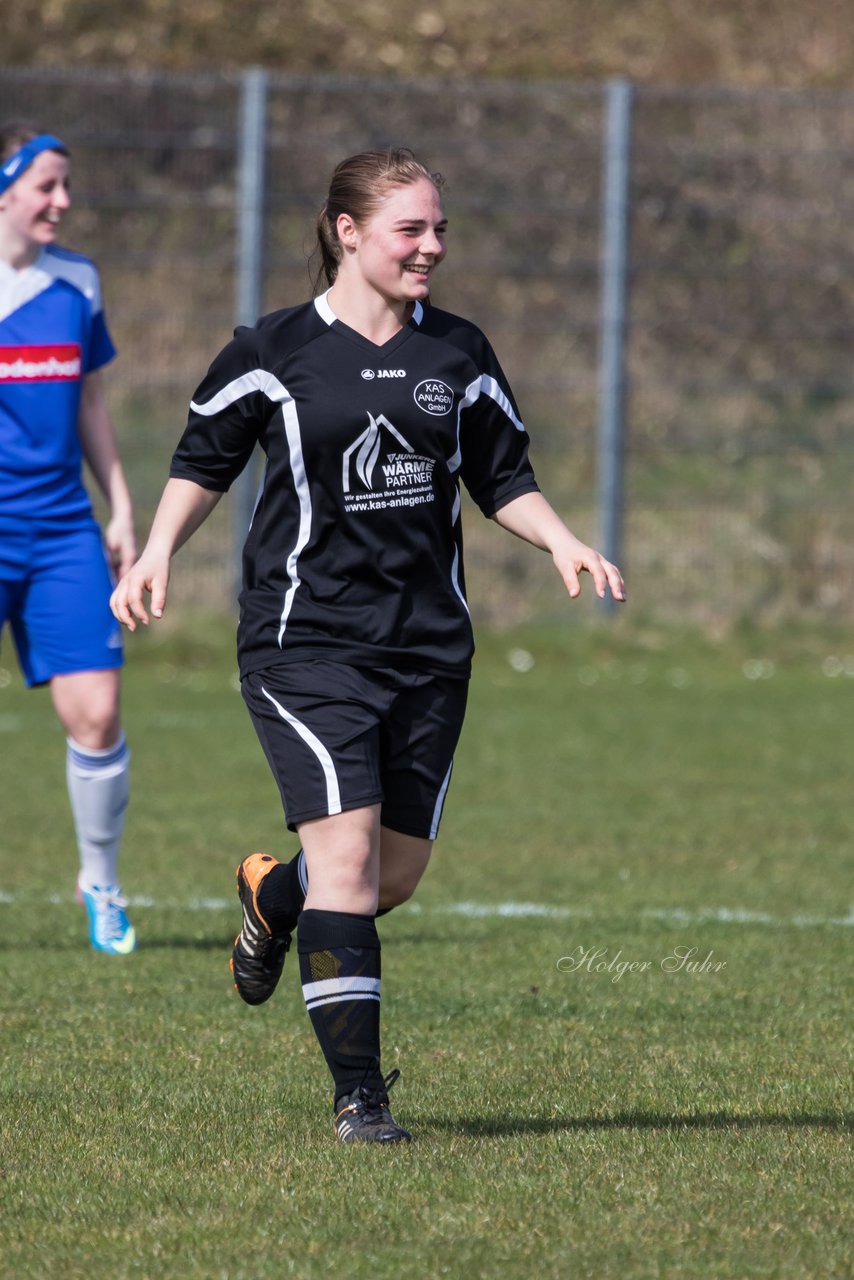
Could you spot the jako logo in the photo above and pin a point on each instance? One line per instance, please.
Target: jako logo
(368, 374)
(434, 397)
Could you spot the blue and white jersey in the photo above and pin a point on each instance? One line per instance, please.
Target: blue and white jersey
(52, 334)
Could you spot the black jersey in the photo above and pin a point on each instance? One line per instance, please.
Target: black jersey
(355, 547)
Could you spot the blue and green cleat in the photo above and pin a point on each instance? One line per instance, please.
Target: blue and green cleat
(109, 928)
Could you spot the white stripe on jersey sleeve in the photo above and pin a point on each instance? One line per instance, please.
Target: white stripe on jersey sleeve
(491, 388)
(333, 794)
(245, 385)
(484, 385)
(269, 385)
(472, 393)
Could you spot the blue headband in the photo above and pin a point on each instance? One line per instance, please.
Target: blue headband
(22, 159)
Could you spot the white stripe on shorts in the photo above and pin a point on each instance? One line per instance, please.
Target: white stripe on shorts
(440, 803)
(333, 794)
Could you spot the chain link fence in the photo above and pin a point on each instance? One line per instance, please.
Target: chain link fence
(740, 397)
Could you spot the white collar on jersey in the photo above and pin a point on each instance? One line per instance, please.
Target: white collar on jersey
(20, 287)
(329, 317)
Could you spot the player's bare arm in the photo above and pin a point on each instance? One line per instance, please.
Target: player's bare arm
(533, 519)
(100, 449)
(183, 507)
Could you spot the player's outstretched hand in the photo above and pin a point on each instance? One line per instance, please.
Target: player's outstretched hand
(575, 557)
(531, 517)
(150, 574)
(183, 506)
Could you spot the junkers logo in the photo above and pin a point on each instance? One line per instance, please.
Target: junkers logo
(434, 397)
(370, 374)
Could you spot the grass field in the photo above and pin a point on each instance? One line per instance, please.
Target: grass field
(632, 796)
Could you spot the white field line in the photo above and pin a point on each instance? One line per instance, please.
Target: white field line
(505, 910)
(676, 915)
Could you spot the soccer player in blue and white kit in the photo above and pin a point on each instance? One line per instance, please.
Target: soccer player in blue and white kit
(55, 580)
(355, 640)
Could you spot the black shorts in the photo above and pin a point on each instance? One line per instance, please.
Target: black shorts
(339, 737)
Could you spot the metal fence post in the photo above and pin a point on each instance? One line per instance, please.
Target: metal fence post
(249, 255)
(612, 320)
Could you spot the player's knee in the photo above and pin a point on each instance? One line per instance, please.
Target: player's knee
(95, 725)
(88, 708)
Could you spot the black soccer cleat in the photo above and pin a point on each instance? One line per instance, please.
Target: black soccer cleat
(258, 956)
(363, 1115)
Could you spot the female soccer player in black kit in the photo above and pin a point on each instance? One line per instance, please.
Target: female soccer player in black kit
(354, 640)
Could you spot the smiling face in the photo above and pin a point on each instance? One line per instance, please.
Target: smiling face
(397, 249)
(32, 208)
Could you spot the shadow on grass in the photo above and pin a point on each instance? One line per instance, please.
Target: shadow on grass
(507, 1126)
(223, 944)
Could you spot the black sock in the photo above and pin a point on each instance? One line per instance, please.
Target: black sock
(339, 960)
(282, 895)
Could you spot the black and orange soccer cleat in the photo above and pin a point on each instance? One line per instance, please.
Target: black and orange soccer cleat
(258, 956)
(363, 1115)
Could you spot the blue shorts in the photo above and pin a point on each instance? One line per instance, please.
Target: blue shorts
(55, 587)
(339, 737)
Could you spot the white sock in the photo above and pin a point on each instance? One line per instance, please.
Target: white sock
(98, 788)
